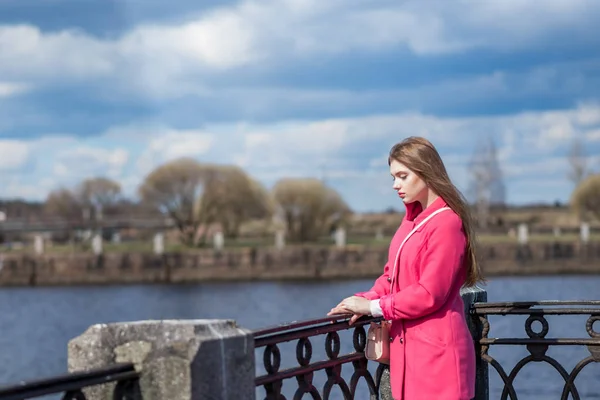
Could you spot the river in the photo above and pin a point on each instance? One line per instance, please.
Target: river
(37, 323)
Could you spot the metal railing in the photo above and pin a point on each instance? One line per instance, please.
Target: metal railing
(303, 333)
(342, 369)
(71, 386)
(537, 343)
(20, 225)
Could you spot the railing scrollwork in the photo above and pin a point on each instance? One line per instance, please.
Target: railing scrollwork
(537, 341)
(304, 333)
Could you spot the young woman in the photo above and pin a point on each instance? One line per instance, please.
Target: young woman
(431, 349)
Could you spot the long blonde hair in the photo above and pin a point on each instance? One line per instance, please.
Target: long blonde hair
(420, 156)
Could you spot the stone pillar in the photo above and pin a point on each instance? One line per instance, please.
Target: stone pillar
(116, 238)
(159, 243)
(279, 239)
(38, 244)
(340, 237)
(482, 384)
(584, 231)
(218, 241)
(176, 359)
(523, 233)
(97, 244)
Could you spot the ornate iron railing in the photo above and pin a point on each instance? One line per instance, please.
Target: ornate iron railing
(303, 334)
(342, 371)
(71, 385)
(537, 342)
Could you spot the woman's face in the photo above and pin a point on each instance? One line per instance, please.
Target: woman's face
(407, 184)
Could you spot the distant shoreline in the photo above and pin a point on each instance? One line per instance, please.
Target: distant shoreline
(324, 280)
(301, 263)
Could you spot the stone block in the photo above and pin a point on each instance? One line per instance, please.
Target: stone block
(177, 359)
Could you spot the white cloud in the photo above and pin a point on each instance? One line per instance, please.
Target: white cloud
(176, 144)
(13, 154)
(166, 145)
(588, 114)
(222, 39)
(15, 189)
(593, 135)
(26, 51)
(9, 89)
(556, 130)
(356, 148)
(506, 88)
(350, 153)
(514, 24)
(87, 162)
(537, 167)
(166, 58)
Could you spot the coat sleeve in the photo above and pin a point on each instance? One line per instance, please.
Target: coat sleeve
(380, 288)
(441, 266)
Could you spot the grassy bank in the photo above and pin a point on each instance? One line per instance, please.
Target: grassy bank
(146, 246)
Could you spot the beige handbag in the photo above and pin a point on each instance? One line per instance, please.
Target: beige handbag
(378, 335)
(378, 342)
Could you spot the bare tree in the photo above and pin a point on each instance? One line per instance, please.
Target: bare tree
(487, 184)
(62, 203)
(236, 197)
(309, 207)
(176, 189)
(100, 194)
(586, 197)
(578, 162)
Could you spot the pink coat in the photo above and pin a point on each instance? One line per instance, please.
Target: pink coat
(432, 351)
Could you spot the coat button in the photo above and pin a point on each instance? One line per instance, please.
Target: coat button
(391, 340)
(401, 340)
(389, 279)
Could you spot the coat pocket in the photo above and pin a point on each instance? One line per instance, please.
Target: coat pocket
(430, 333)
(431, 371)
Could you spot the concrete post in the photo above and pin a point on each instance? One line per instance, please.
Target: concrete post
(97, 244)
(38, 244)
(471, 296)
(177, 360)
(218, 241)
(116, 237)
(279, 239)
(523, 233)
(584, 231)
(340, 237)
(159, 243)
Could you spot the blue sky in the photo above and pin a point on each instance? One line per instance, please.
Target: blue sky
(296, 88)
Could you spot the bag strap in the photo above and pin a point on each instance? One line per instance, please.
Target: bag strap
(408, 236)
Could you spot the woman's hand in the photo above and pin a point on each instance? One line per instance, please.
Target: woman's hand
(356, 305)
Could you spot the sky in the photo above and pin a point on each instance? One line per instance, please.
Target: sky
(296, 88)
